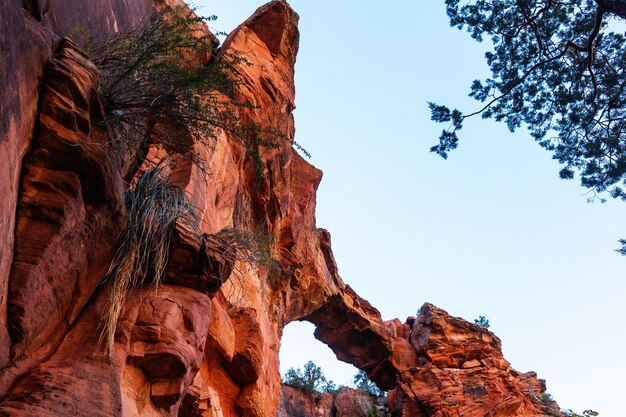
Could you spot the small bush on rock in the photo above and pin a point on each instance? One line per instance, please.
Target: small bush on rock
(482, 321)
(162, 83)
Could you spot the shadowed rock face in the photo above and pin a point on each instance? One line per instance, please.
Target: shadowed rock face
(206, 342)
(347, 403)
(30, 33)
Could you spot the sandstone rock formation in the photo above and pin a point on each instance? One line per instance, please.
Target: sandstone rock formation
(295, 402)
(346, 403)
(448, 366)
(30, 33)
(206, 342)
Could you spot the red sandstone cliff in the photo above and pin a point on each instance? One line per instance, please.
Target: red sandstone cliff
(206, 343)
(346, 403)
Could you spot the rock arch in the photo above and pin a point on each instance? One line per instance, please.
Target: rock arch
(207, 343)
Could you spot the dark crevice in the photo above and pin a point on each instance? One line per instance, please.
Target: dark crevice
(35, 140)
(32, 7)
(269, 88)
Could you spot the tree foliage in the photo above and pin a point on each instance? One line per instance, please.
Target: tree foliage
(557, 68)
(482, 321)
(362, 382)
(586, 413)
(310, 379)
(331, 388)
(162, 82)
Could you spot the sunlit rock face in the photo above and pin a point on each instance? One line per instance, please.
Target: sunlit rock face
(459, 370)
(206, 342)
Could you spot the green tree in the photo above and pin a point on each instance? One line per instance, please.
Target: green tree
(558, 68)
(310, 379)
(482, 321)
(165, 82)
(362, 382)
(331, 388)
(586, 413)
(160, 83)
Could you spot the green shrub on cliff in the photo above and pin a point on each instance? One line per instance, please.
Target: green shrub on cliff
(586, 413)
(482, 321)
(163, 82)
(252, 246)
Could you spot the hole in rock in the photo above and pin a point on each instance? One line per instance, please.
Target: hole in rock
(298, 346)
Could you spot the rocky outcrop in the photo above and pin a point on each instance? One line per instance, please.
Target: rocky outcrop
(295, 402)
(448, 366)
(347, 402)
(356, 403)
(70, 204)
(206, 341)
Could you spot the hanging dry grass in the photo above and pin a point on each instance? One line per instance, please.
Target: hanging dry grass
(252, 246)
(153, 207)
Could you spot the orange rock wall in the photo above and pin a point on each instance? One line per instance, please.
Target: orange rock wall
(30, 33)
(206, 342)
(347, 402)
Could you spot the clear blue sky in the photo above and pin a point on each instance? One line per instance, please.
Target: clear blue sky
(492, 231)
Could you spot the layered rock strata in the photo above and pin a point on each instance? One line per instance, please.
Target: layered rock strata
(448, 366)
(206, 342)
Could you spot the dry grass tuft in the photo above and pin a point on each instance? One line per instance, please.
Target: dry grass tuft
(252, 246)
(153, 206)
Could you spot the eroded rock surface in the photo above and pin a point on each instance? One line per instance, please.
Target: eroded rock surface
(347, 402)
(206, 342)
(295, 402)
(30, 34)
(452, 367)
